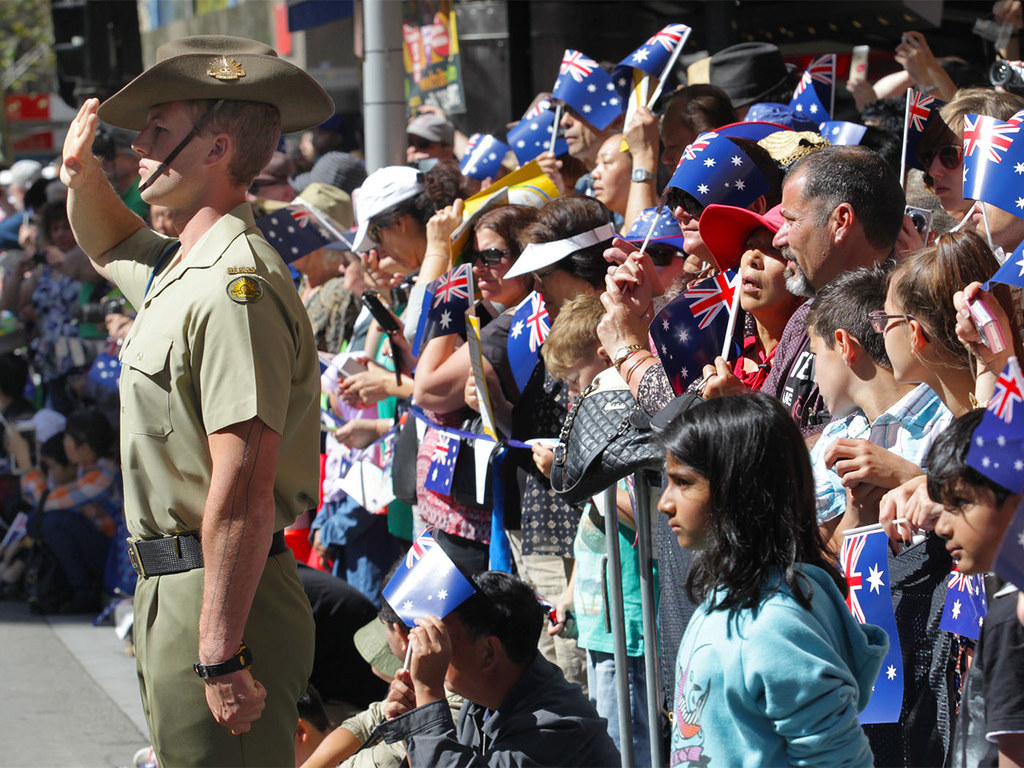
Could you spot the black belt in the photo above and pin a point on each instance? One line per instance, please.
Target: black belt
(177, 554)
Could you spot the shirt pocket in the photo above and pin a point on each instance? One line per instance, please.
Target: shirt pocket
(146, 389)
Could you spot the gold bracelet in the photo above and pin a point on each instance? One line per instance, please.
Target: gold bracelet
(636, 365)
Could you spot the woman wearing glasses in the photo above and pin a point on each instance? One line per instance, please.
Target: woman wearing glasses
(930, 338)
(941, 150)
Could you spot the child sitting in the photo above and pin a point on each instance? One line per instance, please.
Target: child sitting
(883, 428)
(976, 513)
(573, 353)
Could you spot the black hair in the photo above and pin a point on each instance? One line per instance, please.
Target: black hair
(886, 143)
(311, 709)
(387, 613)
(573, 215)
(706, 107)
(860, 177)
(887, 114)
(948, 470)
(506, 607)
(13, 375)
(763, 518)
(53, 449)
(845, 303)
(442, 187)
(90, 427)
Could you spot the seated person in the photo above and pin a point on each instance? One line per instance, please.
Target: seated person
(976, 514)
(313, 725)
(355, 743)
(882, 428)
(520, 710)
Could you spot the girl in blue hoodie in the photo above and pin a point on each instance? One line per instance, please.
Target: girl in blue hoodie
(773, 668)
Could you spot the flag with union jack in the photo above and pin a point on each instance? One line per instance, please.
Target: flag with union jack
(997, 445)
(993, 164)
(921, 110)
(690, 330)
(426, 583)
(966, 605)
(715, 170)
(532, 135)
(587, 89)
(442, 463)
(651, 58)
(814, 95)
(294, 231)
(444, 306)
(530, 326)
(864, 561)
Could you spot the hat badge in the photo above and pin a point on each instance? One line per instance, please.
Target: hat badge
(226, 69)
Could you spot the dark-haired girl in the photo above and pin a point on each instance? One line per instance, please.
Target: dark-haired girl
(773, 667)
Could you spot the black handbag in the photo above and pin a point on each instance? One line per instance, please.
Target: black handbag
(605, 437)
(403, 475)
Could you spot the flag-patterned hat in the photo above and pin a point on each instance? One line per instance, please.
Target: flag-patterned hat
(587, 89)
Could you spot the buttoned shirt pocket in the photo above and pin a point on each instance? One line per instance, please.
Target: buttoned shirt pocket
(146, 385)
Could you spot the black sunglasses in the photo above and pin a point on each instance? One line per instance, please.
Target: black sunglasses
(662, 254)
(950, 156)
(489, 256)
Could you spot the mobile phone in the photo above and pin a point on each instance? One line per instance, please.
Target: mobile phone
(859, 63)
(922, 221)
(384, 317)
(988, 327)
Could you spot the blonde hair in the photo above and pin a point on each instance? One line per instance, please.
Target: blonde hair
(573, 339)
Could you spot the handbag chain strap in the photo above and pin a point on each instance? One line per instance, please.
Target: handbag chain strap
(563, 436)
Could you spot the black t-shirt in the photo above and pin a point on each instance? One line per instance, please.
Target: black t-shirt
(993, 700)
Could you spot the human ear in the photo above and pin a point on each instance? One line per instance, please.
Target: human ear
(759, 206)
(848, 346)
(219, 148)
(844, 219)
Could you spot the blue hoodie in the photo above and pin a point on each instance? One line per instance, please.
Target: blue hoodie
(782, 687)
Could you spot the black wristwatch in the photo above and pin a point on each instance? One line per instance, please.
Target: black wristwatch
(241, 660)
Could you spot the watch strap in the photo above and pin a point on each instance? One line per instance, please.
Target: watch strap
(624, 352)
(241, 660)
(641, 175)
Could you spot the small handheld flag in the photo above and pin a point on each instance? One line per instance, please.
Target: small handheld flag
(530, 327)
(483, 156)
(965, 606)
(997, 445)
(442, 464)
(444, 306)
(864, 561)
(587, 89)
(815, 93)
(427, 583)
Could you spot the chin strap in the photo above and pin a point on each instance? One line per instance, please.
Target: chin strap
(196, 129)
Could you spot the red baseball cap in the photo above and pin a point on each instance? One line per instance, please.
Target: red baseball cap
(725, 228)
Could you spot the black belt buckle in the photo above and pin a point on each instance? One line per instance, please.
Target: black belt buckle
(135, 558)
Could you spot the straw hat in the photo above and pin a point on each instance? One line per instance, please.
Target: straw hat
(220, 67)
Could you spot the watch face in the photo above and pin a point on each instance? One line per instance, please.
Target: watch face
(639, 174)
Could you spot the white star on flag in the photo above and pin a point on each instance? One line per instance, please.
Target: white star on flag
(641, 55)
(703, 189)
(875, 579)
(446, 319)
(890, 672)
(517, 329)
(814, 109)
(591, 88)
(737, 160)
(442, 594)
(1018, 168)
(710, 162)
(740, 185)
(956, 609)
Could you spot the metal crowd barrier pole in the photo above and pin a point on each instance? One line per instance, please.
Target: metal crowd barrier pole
(617, 615)
(642, 489)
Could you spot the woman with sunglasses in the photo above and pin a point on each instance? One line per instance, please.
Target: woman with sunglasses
(941, 150)
(930, 338)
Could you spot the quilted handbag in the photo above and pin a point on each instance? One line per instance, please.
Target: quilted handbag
(605, 437)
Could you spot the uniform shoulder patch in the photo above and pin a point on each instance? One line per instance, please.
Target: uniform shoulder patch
(245, 290)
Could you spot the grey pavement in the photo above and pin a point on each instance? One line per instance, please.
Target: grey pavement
(70, 696)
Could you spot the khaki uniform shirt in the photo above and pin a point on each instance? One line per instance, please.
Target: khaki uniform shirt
(221, 336)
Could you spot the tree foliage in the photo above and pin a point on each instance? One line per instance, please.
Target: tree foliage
(24, 24)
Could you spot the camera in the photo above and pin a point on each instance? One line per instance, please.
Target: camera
(95, 311)
(1007, 75)
(921, 218)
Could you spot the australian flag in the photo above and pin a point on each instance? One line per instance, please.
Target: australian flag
(1012, 271)
(690, 330)
(1010, 558)
(587, 89)
(921, 110)
(294, 232)
(652, 57)
(442, 464)
(530, 326)
(483, 156)
(966, 606)
(997, 445)
(666, 228)
(444, 306)
(815, 93)
(427, 583)
(864, 561)
(842, 133)
(715, 170)
(105, 370)
(993, 163)
(532, 135)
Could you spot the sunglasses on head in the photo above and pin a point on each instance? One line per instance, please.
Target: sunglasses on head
(950, 156)
(489, 256)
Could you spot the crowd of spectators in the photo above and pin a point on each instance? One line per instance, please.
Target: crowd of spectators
(850, 402)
